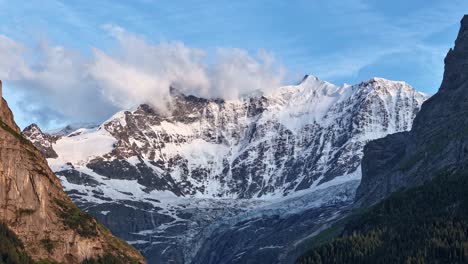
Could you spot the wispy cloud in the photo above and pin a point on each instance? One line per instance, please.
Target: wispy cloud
(82, 88)
(383, 36)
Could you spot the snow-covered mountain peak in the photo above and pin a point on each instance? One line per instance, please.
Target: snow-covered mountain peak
(118, 117)
(41, 140)
(390, 90)
(204, 157)
(34, 129)
(311, 95)
(381, 84)
(297, 138)
(312, 84)
(308, 77)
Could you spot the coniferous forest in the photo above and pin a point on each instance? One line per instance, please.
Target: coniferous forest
(425, 224)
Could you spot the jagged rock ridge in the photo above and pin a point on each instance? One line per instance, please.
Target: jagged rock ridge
(41, 141)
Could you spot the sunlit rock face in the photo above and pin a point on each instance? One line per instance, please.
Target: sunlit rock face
(36, 208)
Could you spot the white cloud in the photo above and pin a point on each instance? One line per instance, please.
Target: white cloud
(82, 88)
(12, 65)
(236, 73)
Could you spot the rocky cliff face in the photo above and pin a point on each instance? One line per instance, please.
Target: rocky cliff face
(34, 205)
(437, 142)
(170, 182)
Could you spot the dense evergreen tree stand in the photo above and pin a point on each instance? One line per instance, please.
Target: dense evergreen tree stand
(425, 224)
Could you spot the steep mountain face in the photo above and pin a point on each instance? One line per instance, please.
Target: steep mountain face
(35, 207)
(172, 181)
(426, 221)
(437, 142)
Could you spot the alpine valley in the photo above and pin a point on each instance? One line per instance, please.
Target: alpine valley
(239, 181)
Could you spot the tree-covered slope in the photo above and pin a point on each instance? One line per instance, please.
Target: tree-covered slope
(426, 224)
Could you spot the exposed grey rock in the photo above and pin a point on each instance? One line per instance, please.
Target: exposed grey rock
(78, 177)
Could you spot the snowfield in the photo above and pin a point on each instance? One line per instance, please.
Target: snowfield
(82, 145)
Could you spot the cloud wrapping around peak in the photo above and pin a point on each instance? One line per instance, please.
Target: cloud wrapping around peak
(79, 88)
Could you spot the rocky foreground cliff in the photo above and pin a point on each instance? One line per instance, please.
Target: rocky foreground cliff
(35, 207)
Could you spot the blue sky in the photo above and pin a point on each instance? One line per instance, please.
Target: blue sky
(337, 40)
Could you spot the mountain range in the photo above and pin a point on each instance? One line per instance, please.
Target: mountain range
(375, 172)
(236, 181)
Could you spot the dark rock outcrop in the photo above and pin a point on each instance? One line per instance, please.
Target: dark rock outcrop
(437, 142)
